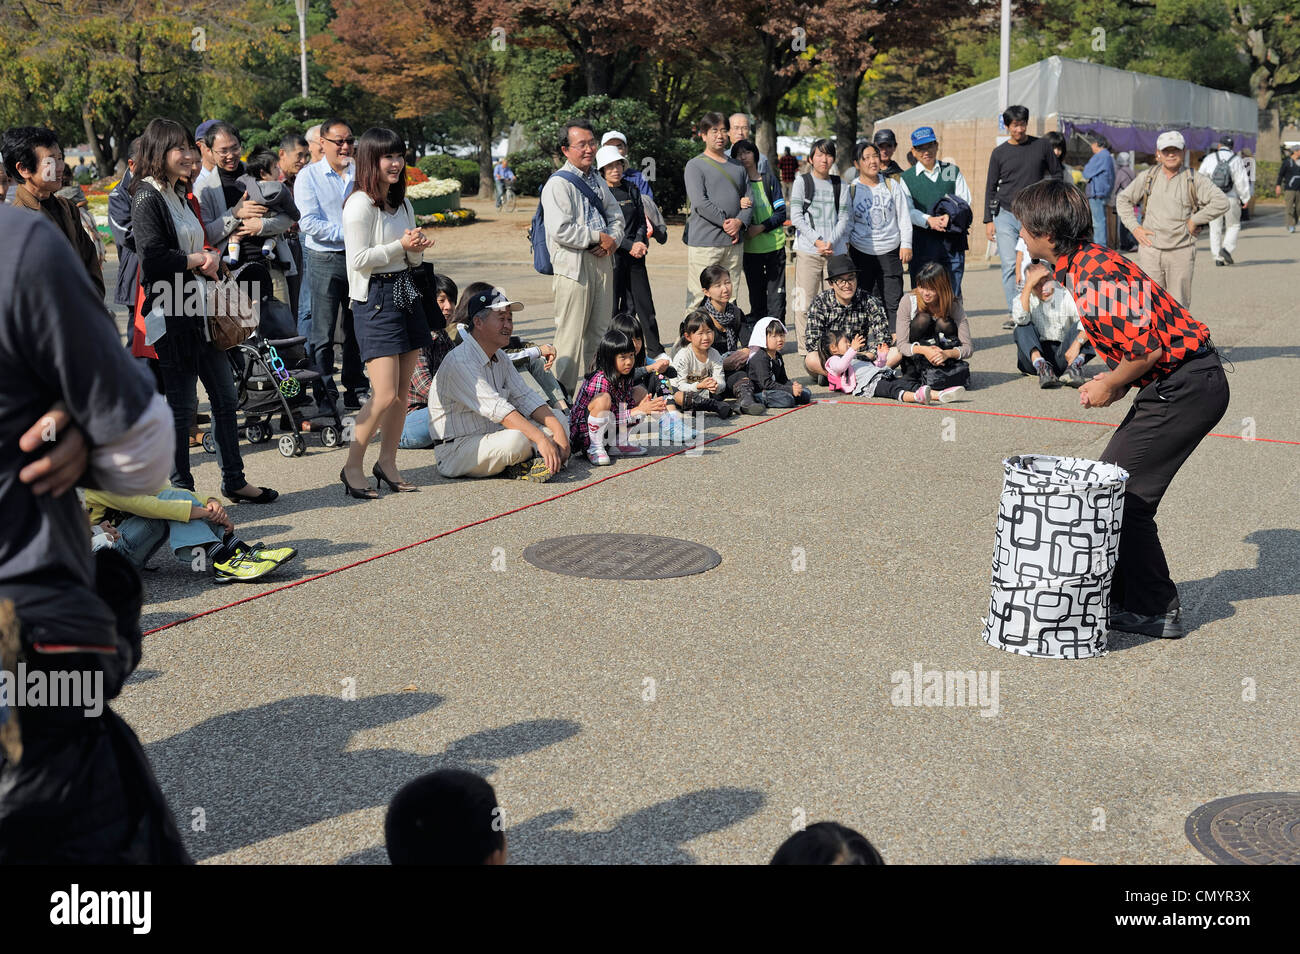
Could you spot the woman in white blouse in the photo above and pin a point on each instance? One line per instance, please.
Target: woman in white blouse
(381, 244)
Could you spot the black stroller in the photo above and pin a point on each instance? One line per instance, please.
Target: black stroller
(272, 380)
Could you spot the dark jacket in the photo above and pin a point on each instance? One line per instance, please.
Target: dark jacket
(960, 218)
(629, 203)
(767, 373)
(163, 268)
(67, 220)
(119, 224)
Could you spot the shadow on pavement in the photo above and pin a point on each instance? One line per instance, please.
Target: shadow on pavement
(654, 835)
(280, 767)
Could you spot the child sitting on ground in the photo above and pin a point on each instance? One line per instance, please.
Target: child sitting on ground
(608, 402)
(729, 333)
(1050, 338)
(770, 386)
(261, 181)
(850, 374)
(655, 376)
(137, 526)
(699, 379)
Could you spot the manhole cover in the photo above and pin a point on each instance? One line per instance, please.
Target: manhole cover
(621, 556)
(1261, 829)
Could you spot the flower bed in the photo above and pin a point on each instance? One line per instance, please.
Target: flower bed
(446, 219)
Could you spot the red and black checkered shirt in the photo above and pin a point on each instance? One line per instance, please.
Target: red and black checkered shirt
(1126, 313)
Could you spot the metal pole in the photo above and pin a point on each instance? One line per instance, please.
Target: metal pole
(302, 42)
(1004, 60)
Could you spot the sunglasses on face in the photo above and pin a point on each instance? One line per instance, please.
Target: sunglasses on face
(350, 141)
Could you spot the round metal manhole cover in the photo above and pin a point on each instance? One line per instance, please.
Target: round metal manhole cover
(621, 556)
(1261, 829)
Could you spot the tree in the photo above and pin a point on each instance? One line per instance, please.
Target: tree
(425, 56)
(100, 69)
(603, 38)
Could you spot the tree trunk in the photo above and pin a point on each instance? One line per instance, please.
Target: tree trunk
(848, 86)
(486, 187)
(101, 160)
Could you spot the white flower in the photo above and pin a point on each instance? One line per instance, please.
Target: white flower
(433, 189)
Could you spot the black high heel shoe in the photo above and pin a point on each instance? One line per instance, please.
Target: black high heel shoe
(367, 493)
(401, 487)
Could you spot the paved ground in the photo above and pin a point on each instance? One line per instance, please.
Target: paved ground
(855, 543)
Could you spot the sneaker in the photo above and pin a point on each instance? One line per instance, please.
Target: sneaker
(948, 395)
(534, 469)
(597, 456)
(1227, 257)
(243, 567)
(277, 555)
(1047, 377)
(1073, 377)
(627, 450)
(1008, 325)
(1164, 626)
(1290, 228)
(922, 394)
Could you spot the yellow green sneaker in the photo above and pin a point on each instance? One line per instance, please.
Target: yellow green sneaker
(243, 567)
(277, 555)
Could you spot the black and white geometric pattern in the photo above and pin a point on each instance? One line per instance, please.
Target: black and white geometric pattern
(1057, 541)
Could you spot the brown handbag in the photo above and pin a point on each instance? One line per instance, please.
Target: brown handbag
(231, 315)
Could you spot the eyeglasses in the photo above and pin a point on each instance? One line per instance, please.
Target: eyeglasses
(350, 141)
(845, 280)
(231, 151)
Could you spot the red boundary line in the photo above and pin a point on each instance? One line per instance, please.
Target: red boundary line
(650, 463)
(1031, 417)
(445, 533)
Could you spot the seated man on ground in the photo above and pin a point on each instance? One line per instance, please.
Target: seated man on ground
(845, 309)
(1050, 340)
(484, 420)
(136, 527)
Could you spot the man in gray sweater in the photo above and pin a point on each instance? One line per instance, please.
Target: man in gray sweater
(718, 190)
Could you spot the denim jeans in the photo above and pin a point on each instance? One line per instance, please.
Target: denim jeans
(329, 296)
(304, 294)
(181, 389)
(1008, 232)
(415, 432)
(141, 536)
(1098, 207)
(1053, 352)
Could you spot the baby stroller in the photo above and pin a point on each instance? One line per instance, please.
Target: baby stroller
(273, 377)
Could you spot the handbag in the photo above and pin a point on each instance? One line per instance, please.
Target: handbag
(231, 315)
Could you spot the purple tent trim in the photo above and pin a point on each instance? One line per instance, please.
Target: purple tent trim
(1140, 139)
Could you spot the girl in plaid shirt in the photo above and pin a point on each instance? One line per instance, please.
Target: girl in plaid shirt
(609, 398)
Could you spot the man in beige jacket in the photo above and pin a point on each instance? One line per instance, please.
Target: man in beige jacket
(1175, 203)
(581, 239)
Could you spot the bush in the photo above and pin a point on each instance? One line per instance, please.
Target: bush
(531, 167)
(1265, 177)
(440, 166)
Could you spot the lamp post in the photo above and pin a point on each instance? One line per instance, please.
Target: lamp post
(302, 41)
(1004, 59)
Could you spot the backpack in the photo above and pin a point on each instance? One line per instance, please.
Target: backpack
(810, 190)
(537, 230)
(1191, 189)
(1222, 174)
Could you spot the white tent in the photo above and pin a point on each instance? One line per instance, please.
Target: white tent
(1129, 109)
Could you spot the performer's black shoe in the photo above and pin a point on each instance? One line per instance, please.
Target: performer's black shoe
(1165, 626)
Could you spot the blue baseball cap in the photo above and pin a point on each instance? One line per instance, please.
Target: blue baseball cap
(203, 128)
(922, 135)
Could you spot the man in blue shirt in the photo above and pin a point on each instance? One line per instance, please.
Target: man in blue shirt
(501, 174)
(1100, 176)
(319, 192)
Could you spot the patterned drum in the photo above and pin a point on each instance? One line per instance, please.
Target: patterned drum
(1057, 540)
